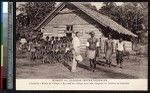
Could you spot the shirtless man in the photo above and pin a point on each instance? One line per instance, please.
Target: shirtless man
(120, 48)
(91, 50)
(108, 49)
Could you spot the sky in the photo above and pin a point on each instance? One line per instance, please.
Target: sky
(97, 4)
(100, 4)
(5, 7)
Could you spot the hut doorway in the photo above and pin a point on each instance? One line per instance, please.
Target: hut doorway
(69, 30)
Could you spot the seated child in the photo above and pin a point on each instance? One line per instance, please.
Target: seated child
(32, 51)
(38, 51)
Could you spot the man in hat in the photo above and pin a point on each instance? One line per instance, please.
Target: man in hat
(108, 49)
(91, 50)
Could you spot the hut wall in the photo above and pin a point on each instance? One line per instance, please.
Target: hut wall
(128, 44)
(57, 27)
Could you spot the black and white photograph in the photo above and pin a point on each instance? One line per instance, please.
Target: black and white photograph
(81, 40)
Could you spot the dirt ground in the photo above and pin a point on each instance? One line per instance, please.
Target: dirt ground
(133, 68)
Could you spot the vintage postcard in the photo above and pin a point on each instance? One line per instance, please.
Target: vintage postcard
(81, 45)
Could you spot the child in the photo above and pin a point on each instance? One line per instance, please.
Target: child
(53, 49)
(58, 41)
(45, 57)
(60, 52)
(29, 46)
(42, 48)
(70, 51)
(52, 40)
(67, 47)
(38, 51)
(45, 50)
(63, 49)
(50, 55)
(47, 40)
(32, 50)
(57, 52)
(67, 52)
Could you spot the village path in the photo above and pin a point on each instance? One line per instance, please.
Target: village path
(132, 69)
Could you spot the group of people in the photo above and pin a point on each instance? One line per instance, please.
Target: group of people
(52, 49)
(92, 50)
(64, 49)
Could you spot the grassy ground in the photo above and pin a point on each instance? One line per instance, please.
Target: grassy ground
(133, 68)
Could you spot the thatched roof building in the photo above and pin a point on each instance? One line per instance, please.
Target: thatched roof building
(74, 16)
(100, 18)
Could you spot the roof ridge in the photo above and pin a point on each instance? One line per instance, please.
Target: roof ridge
(105, 17)
(94, 11)
(100, 18)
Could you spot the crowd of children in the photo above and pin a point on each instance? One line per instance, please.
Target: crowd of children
(51, 50)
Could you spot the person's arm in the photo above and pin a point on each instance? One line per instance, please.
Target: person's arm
(104, 46)
(78, 46)
(72, 42)
(100, 45)
(97, 49)
(73, 47)
(116, 46)
(87, 47)
(97, 44)
(124, 47)
(112, 46)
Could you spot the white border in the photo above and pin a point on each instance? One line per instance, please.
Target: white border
(81, 84)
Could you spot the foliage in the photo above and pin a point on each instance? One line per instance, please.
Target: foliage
(129, 15)
(33, 14)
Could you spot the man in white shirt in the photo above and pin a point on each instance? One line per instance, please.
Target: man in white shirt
(76, 48)
(76, 43)
(120, 48)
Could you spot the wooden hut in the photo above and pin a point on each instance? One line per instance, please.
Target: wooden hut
(73, 16)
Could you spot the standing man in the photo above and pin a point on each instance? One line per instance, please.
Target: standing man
(76, 50)
(108, 49)
(120, 48)
(92, 50)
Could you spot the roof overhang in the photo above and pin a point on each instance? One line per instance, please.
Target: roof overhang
(113, 25)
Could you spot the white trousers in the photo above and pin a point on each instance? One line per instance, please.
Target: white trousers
(74, 65)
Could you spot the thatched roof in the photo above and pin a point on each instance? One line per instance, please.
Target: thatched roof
(100, 18)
